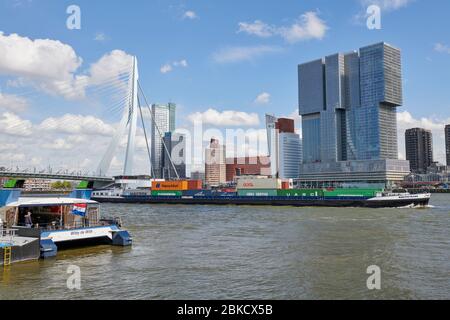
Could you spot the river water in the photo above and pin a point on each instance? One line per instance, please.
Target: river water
(195, 252)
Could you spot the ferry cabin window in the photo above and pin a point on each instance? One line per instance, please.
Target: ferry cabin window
(42, 217)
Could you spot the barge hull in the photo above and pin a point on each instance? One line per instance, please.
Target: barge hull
(290, 202)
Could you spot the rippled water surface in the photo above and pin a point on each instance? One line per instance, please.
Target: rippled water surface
(195, 252)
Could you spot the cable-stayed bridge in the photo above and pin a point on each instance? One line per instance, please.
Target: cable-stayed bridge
(128, 102)
(25, 174)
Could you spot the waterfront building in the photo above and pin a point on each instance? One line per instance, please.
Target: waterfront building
(447, 144)
(436, 175)
(37, 185)
(248, 166)
(163, 122)
(198, 175)
(419, 149)
(349, 120)
(285, 149)
(176, 148)
(215, 164)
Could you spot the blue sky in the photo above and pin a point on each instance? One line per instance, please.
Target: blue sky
(214, 66)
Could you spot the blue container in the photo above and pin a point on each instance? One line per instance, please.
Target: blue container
(193, 193)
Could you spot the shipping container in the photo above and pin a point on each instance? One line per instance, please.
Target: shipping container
(285, 185)
(258, 193)
(167, 193)
(193, 193)
(254, 184)
(351, 192)
(195, 184)
(170, 185)
(301, 193)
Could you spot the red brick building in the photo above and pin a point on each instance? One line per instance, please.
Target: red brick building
(247, 166)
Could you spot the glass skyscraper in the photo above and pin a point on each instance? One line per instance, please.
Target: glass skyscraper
(174, 158)
(348, 103)
(348, 106)
(163, 122)
(285, 147)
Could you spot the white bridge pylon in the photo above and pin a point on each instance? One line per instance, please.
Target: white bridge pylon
(129, 120)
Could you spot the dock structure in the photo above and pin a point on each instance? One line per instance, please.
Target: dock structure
(17, 247)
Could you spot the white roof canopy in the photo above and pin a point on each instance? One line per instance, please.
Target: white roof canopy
(43, 202)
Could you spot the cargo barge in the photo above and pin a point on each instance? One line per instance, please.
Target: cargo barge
(177, 193)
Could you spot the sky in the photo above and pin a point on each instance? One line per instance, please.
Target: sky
(224, 62)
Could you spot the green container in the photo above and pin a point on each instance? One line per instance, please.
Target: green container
(351, 192)
(258, 193)
(83, 185)
(167, 193)
(301, 193)
(10, 184)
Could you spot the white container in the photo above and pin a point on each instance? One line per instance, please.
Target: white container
(264, 183)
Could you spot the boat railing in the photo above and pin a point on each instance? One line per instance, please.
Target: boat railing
(74, 225)
(8, 233)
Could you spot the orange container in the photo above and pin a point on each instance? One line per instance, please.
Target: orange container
(195, 184)
(285, 185)
(170, 186)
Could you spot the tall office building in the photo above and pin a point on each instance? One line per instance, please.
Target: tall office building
(164, 121)
(348, 107)
(447, 143)
(174, 166)
(215, 164)
(419, 149)
(285, 149)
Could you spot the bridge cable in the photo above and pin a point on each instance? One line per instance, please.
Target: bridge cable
(146, 139)
(159, 132)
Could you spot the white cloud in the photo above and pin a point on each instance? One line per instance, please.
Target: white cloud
(442, 48)
(190, 15)
(13, 103)
(7, 147)
(263, 98)
(166, 68)
(58, 144)
(387, 5)
(51, 66)
(13, 125)
(437, 126)
(47, 63)
(255, 144)
(77, 124)
(237, 54)
(225, 118)
(100, 36)
(10, 157)
(181, 63)
(110, 65)
(169, 67)
(257, 28)
(37, 58)
(308, 26)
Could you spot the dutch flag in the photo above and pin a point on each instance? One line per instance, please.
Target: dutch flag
(79, 209)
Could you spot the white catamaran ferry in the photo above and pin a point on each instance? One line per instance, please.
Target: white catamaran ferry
(57, 222)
